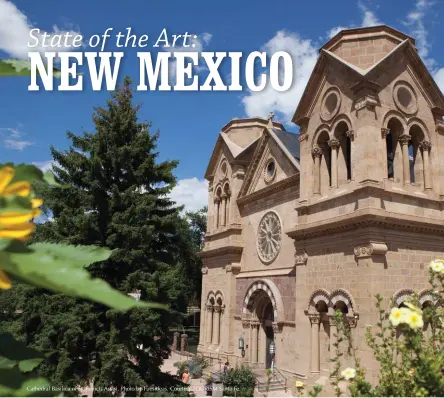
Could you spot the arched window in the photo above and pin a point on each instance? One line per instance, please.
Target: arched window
(341, 155)
(419, 157)
(226, 204)
(322, 163)
(394, 150)
(217, 207)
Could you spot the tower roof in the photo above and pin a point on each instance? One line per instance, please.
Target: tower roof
(371, 32)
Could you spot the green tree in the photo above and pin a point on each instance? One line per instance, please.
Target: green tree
(117, 196)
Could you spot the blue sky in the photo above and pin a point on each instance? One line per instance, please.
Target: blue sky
(188, 121)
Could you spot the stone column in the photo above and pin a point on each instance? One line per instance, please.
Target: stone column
(227, 208)
(425, 147)
(223, 220)
(254, 356)
(333, 339)
(317, 153)
(404, 140)
(315, 320)
(184, 343)
(216, 325)
(175, 340)
(209, 323)
(216, 213)
(334, 145)
(384, 133)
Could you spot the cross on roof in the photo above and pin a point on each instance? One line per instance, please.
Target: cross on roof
(270, 116)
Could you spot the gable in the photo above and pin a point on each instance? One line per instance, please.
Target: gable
(276, 159)
(365, 69)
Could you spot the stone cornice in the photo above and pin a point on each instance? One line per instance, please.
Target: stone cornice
(277, 186)
(368, 218)
(223, 231)
(370, 249)
(221, 250)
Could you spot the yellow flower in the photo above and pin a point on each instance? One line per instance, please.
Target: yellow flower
(299, 384)
(397, 316)
(412, 307)
(16, 224)
(348, 373)
(437, 266)
(414, 320)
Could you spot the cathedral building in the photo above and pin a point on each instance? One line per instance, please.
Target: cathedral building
(301, 225)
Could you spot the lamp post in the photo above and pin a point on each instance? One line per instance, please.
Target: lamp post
(242, 346)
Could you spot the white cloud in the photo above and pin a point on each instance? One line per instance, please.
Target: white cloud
(191, 193)
(13, 139)
(304, 56)
(439, 78)
(14, 32)
(415, 23)
(369, 18)
(44, 165)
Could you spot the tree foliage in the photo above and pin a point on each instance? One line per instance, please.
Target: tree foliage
(115, 195)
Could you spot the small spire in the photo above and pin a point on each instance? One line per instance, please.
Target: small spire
(270, 119)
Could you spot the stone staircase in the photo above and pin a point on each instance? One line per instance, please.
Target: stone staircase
(276, 383)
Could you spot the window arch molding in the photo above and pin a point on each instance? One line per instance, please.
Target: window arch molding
(402, 295)
(323, 127)
(337, 120)
(397, 115)
(414, 121)
(344, 296)
(316, 297)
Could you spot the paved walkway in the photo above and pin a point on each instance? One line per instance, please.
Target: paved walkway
(198, 385)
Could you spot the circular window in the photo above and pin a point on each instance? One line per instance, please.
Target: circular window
(223, 168)
(269, 237)
(330, 104)
(405, 98)
(270, 170)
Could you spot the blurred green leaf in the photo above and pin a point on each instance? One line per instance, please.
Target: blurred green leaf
(60, 268)
(12, 67)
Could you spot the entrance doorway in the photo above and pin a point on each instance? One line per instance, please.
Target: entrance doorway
(269, 338)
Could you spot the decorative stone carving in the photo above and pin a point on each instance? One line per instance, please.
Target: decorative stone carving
(233, 267)
(269, 237)
(404, 139)
(204, 270)
(301, 258)
(246, 323)
(425, 146)
(370, 249)
(314, 318)
(384, 132)
(316, 152)
(302, 137)
(209, 307)
(277, 327)
(334, 143)
(216, 200)
(367, 101)
(350, 134)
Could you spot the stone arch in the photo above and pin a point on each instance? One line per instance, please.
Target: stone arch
(273, 293)
(211, 297)
(341, 150)
(319, 130)
(416, 121)
(426, 296)
(394, 114)
(339, 295)
(219, 295)
(401, 295)
(341, 118)
(316, 297)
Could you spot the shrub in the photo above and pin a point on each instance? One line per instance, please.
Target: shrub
(411, 363)
(239, 382)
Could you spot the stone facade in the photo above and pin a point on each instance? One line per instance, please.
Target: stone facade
(301, 225)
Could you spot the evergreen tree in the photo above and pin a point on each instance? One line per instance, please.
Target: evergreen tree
(117, 196)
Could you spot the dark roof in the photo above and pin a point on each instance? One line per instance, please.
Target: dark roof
(290, 141)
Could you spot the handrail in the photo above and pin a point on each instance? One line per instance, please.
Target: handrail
(285, 379)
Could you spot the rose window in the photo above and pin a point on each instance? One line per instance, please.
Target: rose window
(269, 237)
